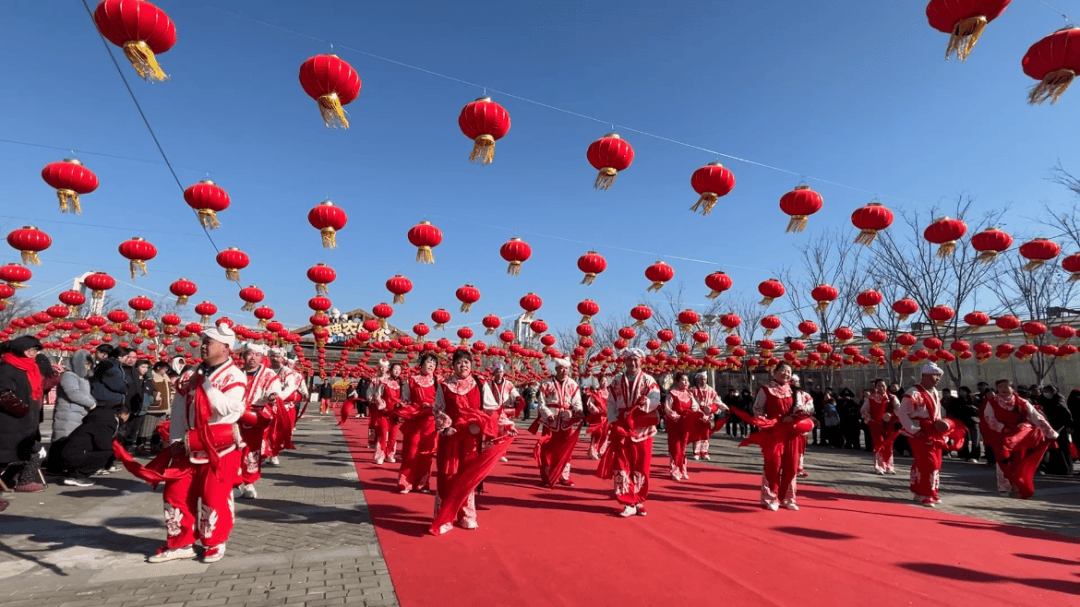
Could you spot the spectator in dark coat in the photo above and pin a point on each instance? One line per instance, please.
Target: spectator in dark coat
(88, 448)
(1058, 461)
(963, 408)
(107, 384)
(20, 437)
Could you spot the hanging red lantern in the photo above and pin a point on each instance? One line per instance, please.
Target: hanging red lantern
(876, 336)
(592, 264)
(484, 122)
(98, 283)
(383, 311)
(1054, 62)
(1033, 329)
(399, 286)
(843, 334)
(264, 314)
(183, 289)
(370, 325)
(425, 237)
(640, 313)
(718, 282)
(328, 220)
(711, 182)
(208, 199)
(516, 251)
(584, 330)
(440, 317)
(659, 273)
(732, 341)
(73, 300)
(627, 333)
(731, 321)
(320, 304)
(1063, 333)
(233, 260)
(964, 21)
(205, 310)
(869, 300)
(824, 295)
(940, 315)
(589, 308)
(548, 340)
(465, 334)
(467, 295)
(57, 311)
(333, 83)
(538, 326)
(904, 308)
(70, 179)
(420, 330)
(687, 319)
(141, 305)
(530, 303)
(1040, 250)
(491, 324)
(807, 328)
(989, 243)
(1071, 264)
(29, 241)
(906, 340)
(322, 275)
(609, 155)
(870, 220)
(251, 296)
(770, 290)
(507, 337)
(945, 232)
(138, 252)
(141, 29)
(770, 323)
(976, 319)
(800, 203)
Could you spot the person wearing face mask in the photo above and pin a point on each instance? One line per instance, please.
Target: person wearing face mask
(1019, 436)
(418, 436)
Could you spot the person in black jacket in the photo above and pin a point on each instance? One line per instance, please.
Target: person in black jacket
(1059, 460)
(88, 448)
(964, 409)
(20, 437)
(107, 384)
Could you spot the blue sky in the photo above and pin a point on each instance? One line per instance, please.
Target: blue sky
(851, 92)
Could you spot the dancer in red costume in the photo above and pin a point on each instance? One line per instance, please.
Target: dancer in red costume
(386, 398)
(680, 410)
(1019, 436)
(596, 403)
(560, 415)
(806, 403)
(632, 420)
(701, 425)
(262, 408)
(418, 437)
(782, 420)
(471, 441)
(294, 390)
(205, 455)
(922, 420)
(879, 413)
(505, 395)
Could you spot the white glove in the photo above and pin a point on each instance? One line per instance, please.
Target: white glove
(42, 453)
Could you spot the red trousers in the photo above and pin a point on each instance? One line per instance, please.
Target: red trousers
(678, 433)
(883, 437)
(251, 456)
(386, 432)
(418, 441)
(926, 467)
(215, 514)
(781, 463)
(630, 465)
(553, 453)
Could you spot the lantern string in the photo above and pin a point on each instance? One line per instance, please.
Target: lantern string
(1056, 10)
(615, 127)
(146, 121)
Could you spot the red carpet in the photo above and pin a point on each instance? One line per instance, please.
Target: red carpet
(704, 542)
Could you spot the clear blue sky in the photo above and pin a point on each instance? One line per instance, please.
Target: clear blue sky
(852, 92)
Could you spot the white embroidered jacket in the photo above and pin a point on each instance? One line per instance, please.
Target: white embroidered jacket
(224, 388)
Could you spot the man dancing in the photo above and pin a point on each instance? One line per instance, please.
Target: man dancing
(505, 395)
(632, 421)
(1019, 436)
(922, 421)
(261, 412)
(560, 415)
(294, 390)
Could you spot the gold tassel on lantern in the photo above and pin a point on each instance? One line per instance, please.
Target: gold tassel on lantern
(655, 286)
(399, 298)
(514, 268)
(490, 331)
(797, 223)
(705, 203)
(382, 323)
(821, 306)
(144, 62)
(465, 307)
(329, 238)
(586, 319)
(483, 150)
(946, 249)
(69, 197)
(440, 325)
(137, 264)
(1075, 276)
(866, 237)
(423, 255)
(204, 319)
(248, 306)
(528, 316)
(986, 256)
(320, 289)
(139, 315)
(262, 323)
(181, 300)
(333, 114)
(768, 332)
(30, 258)
(1033, 265)
(1052, 87)
(588, 280)
(965, 34)
(232, 274)
(765, 301)
(208, 219)
(605, 178)
(869, 310)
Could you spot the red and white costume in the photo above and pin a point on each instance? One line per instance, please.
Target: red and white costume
(701, 426)
(386, 397)
(779, 441)
(213, 398)
(418, 437)
(680, 410)
(467, 455)
(879, 413)
(632, 418)
(596, 401)
(560, 415)
(262, 408)
(1019, 436)
(507, 397)
(294, 391)
(919, 410)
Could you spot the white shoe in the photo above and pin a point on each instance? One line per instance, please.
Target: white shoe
(110, 470)
(697, 458)
(273, 461)
(503, 459)
(214, 554)
(248, 491)
(187, 552)
(774, 506)
(791, 505)
(378, 461)
(628, 511)
(706, 457)
(469, 525)
(391, 460)
(77, 482)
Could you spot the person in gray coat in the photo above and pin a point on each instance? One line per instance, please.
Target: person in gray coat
(73, 399)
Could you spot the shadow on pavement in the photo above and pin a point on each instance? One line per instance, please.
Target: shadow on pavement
(972, 575)
(54, 535)
(819, 534)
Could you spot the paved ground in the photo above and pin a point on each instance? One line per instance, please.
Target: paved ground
(308, 539)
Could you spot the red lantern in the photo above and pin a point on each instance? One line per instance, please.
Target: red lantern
(876, 336)
(538, 326)
(771, 323)
(420, 330)
(1053, 61)
(399, 286)
(592, 264)
(904, 308)
(906, 340)
(328, 220)
(507, 337)
(1040, 250)
(98, 283)
(322, 275)
(609, 155)
(976, 319)
(141, 305)
(589, 308)
(370, 325)
(57, 311)
(1033, 329)
(484, 122)
(869, 300)
(843, 334)
(1063, 333)
(718, 282)
(467, 295)
(491, 323)
(940, 315)
(659, 273)
(465, 333)
(183, 289)
(440, 317)
(141, 29)
(208, 199)
(548, 340)
(808, 328)
(770, 290)
(333, 83)
(425, 237)
(233, 260)
(945, 232)
(251, 296)
(731, 321)
(516, 251)
(989, 243)
(29, 241)
(870, 220)
(627, 333)
(732, 341)
(640, 313)
(138, 252)
(1071, 264)
(964, 21)
(687, 319)
(711, 182)
(263, 314)
(800, 203)
(383, 311)
(70, 179)
(205, 310)
(530, 303)
(824, 295)
(73, 300)
(584, 330)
